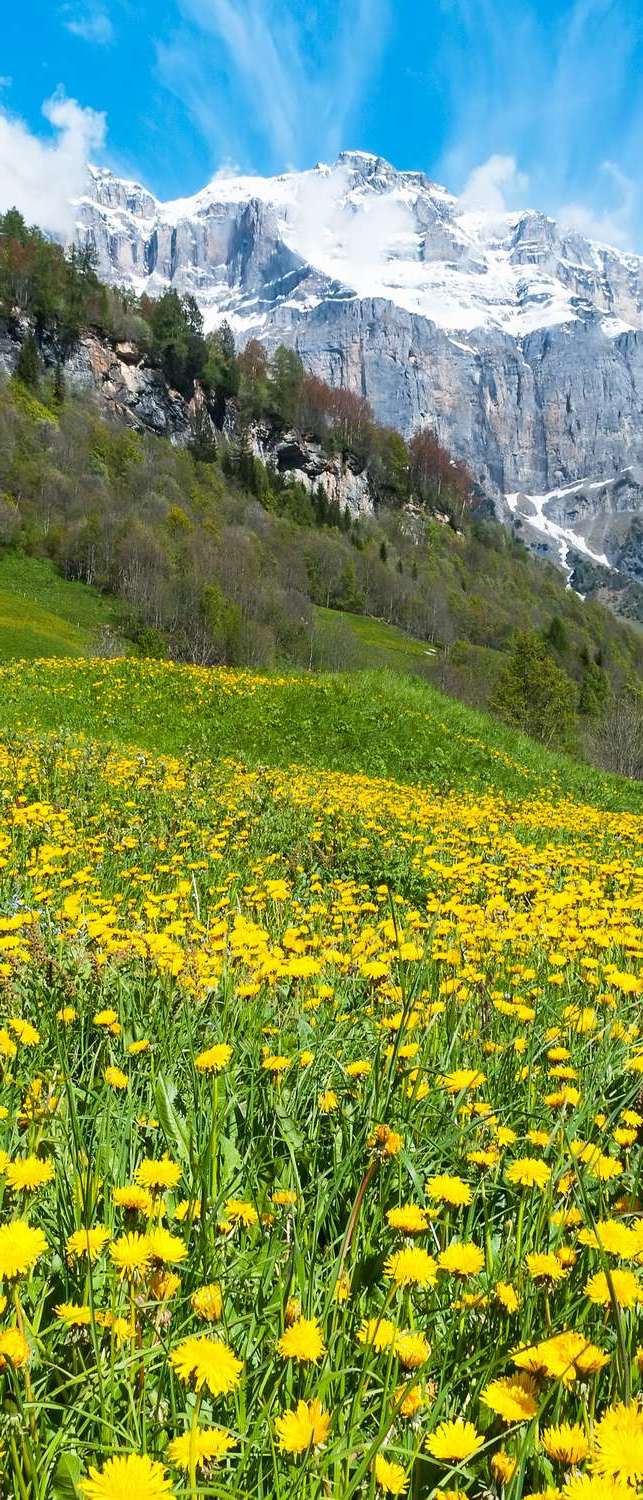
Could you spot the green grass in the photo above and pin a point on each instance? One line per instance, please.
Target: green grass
(377, 723)
(376, 643)
(42, 614)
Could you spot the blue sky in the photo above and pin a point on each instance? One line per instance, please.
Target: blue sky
(523, 103)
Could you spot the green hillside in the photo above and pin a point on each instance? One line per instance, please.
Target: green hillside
(381, 724)
(41, 614)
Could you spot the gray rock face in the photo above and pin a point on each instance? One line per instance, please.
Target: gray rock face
(124, 385)
(522, 345)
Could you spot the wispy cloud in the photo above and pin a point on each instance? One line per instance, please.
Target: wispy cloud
(261, 80)
(552, 92)
(40, 177)
(91, 22)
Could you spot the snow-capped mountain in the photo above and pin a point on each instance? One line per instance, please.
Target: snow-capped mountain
(519, 342)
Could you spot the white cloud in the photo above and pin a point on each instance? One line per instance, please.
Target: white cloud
(39, 177)
(93, 25)
(558, 89)
(610, 226)
(495, 185)
(255, 74)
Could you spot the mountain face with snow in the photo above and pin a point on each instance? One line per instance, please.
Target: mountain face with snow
(521, 344)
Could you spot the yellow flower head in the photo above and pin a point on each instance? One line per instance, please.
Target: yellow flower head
(131, 1256)
(461, 1259)
(209, 1362)
(205, 1446)
(409, 1219)
(159, 1176)
(529, 1172)
(617, 1450)
(446, 1189)
(214, 1058)
(390, 1477)
(512, 1397)
(304, 1428)
(380, 1332)
(566, 1444)
(120, 1478)
(27, 1173)
(207, 1302)
(412, 1349)
(623, 1284)
(303, 1341)
(87, 1242)
(20, 1247)
(14, 1349)
(411, 1267)
(454, 1442)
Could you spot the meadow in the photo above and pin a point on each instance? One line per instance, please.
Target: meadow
(320, 1095)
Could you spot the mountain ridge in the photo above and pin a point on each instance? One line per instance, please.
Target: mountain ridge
(521, 344)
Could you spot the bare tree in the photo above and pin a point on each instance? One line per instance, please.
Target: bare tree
(617, 740)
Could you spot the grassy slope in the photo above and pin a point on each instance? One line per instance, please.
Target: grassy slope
(41, 614)
(379, 723)
(377, 643)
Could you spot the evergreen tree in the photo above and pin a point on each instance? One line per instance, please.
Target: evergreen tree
(28, 366)
(534, 694)
(556, 635)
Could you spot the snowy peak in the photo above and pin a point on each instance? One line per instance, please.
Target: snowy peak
(360, 225)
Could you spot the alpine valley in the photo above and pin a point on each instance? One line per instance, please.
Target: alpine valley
(519, 342)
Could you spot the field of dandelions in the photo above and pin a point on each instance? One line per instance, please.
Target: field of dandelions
(320, 1106)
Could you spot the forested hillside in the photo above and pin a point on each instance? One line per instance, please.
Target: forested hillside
(216, 556)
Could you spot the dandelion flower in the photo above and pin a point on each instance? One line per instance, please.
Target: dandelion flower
(566, 1444)
(454, 1442)
(214, 1058)
(545, 1266)
(87, 1242)
(529, 1172)
(507, 1296)
(463, 1079)
(167, 1248)
(238, 1211)
(14, 1349)
(409, 1219)
(209, 1362)
(157, 1175)
(451, 1190)
(20, 1247)
(390, 1477)
(136, 1199)
(207, 1302)
(124, 1478)
(28, 1173)
(303, 1340)
(503, 1467)
(412, 1349)
(307, 1426)
(116, 1078)
(131, 1255)
(411, 1267)
(200, 1448)
(380, 1332)
(626, 1288)
(512, 1397)
(618, 1444)
(461, 1259)
(74, 1314)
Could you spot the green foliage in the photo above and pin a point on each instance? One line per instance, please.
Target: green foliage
(534, 695)
(28, 369)
(556, 635)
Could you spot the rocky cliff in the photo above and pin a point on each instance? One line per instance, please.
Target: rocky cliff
(521, 344)
(128, 388)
